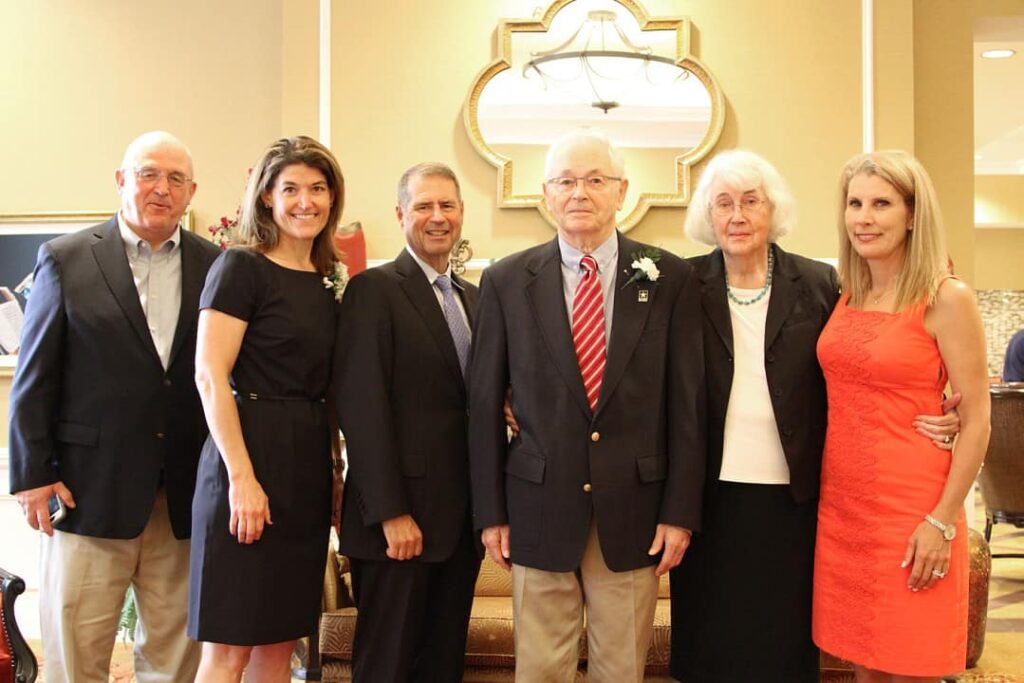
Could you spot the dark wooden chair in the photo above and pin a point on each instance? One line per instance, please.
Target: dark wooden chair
(17, 663)
(1002, 477)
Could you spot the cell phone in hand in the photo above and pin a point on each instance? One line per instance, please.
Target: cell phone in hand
(58, 511)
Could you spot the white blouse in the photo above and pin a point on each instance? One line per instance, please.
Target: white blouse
(752, 451)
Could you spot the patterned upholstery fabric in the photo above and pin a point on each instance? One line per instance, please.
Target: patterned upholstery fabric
(977, 615)
(337, 628)
(490, 645)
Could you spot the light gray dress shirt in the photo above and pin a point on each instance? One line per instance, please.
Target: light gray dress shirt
(157, 276)
(607, 257)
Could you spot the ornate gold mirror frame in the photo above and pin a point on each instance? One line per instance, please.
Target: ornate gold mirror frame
(510, 196)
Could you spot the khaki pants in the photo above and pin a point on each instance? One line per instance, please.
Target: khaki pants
(548, 610)
(83, 584)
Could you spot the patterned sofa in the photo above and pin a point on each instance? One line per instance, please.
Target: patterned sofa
(489, 648)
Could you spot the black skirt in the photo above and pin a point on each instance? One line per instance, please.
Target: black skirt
(741, 598)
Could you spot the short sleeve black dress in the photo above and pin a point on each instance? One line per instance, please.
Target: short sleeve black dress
(268, 591)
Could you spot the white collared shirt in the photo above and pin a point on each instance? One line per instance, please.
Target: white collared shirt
(157, 276)
(432, 276)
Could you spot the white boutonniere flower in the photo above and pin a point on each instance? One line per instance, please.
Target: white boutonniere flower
(645, 266)
(337, 280)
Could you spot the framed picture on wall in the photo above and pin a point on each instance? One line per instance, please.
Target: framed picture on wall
(21, 235)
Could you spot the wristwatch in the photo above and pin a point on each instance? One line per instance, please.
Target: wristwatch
(948, 530)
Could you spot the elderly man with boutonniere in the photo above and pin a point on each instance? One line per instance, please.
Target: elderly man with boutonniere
(598, 492)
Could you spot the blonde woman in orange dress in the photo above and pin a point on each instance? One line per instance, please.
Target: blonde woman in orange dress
(891, 569)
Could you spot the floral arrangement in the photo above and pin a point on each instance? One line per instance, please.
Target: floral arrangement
(644, 266)
(337, 280)
(222, 232)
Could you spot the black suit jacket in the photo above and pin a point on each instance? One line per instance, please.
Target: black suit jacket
(91, 403)
(401, 402)
(641, 453)
(804, 292)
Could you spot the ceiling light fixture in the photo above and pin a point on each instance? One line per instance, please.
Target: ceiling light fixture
(998, 54)
(599, 62)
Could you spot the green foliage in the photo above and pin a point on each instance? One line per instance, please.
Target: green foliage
(129, 617)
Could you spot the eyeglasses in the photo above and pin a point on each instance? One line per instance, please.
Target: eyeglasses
(567, 184)
(725, 206)
(151, 176)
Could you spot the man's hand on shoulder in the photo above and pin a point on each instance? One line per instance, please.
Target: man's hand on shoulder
(35, 504)
(495, 539)
(405, 540)
(674, 540)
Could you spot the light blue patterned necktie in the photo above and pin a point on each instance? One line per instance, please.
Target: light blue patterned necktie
(456, 325)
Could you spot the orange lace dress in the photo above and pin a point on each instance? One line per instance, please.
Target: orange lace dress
(879, 479)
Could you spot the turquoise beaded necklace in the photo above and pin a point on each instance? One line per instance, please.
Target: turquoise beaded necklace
(764, 290)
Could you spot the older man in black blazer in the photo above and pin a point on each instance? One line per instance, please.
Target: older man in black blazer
(600, 490)
(105, 416)
(402, 351)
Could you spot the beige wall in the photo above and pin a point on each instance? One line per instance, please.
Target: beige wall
(944, 142)
(999, 199)
(998, 254)
(775, 92)
(82, 77)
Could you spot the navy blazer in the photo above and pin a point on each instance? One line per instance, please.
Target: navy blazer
(634, 462)
(804, 292)
(401, 401)
(91, 404)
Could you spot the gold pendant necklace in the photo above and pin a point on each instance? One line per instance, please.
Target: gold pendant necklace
(877, 299)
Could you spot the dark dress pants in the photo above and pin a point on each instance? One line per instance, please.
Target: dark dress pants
(413, 616)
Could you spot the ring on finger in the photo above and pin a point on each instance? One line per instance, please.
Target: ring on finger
(948, 439)
(938, 574)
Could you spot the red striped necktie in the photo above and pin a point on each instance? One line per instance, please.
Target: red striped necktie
(588, 329)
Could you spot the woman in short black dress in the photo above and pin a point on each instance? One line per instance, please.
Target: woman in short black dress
(262, 506)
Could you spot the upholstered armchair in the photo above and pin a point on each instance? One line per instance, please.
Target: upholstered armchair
(1002, 476)
(17, 663)
(351, 242)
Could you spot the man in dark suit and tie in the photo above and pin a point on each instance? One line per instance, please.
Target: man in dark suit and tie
(403, 349)
(105, 416)
(599, 338)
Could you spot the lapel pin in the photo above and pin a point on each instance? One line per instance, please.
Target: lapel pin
(642, 295)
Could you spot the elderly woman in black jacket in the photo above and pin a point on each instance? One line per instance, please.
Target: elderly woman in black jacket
(741, 599)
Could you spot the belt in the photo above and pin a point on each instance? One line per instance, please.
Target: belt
(253, 396)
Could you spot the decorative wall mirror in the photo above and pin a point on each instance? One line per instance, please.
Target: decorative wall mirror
(604, 64)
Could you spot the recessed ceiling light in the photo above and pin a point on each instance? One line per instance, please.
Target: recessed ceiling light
(998, 54)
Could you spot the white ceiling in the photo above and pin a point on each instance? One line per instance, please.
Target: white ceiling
(999, 97)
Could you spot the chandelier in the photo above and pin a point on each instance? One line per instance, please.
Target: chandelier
(600, 65)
